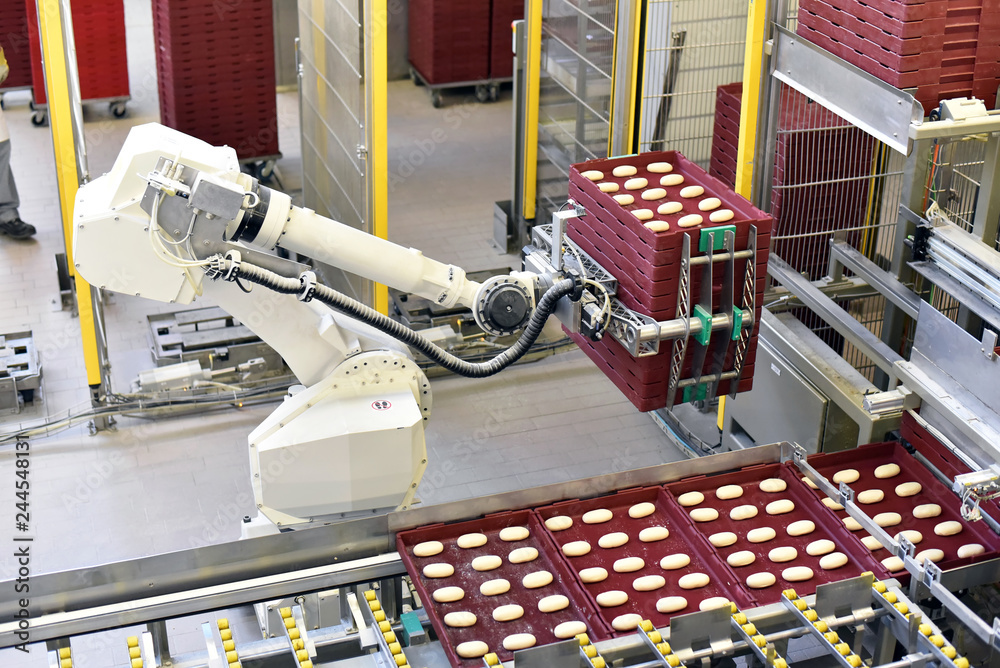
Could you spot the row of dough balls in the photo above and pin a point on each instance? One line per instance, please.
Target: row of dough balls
(743, 512)
(630, 621)
(486, 562)
(763, 534)
(883, 472)
(729, 492)
(940, 529)
(625, 171)
(609, 541)
(469, 541)
(473, 649)
(497, 586)
(599, 516)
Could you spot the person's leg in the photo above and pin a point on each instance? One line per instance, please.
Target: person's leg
(9, 200)
(10, 221)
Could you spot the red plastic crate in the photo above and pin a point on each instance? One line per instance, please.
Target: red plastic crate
(14, 38)
(962, 33)
(646, 264)
(99, 34)
(868, 21)
(486, 629)
(211, 85)
(807, 507)
(504, 13)
(867, 458)
(681, 539)
(450, 41)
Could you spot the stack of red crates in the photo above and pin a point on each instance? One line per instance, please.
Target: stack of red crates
(99, 34)
(505, 12)
(726, 135)
(835, 160)
(943, 48)
(647, 267)
(450, 39)
(215, 62)
(14, 38)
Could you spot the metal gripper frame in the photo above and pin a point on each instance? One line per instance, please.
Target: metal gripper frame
(642, 335)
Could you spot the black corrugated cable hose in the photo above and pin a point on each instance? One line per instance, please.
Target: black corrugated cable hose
(340, 302)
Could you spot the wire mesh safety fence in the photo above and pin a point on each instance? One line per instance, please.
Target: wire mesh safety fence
(697, 45)
(831, 178)
(574, 107)
(954, 175)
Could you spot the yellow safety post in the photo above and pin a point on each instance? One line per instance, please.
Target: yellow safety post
(378, 150)
(57, 73)
(531, 98)
(753, 70)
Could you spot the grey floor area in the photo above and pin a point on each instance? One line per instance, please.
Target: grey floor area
(160, 486)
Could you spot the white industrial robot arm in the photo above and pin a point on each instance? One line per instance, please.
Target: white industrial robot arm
(176, 218)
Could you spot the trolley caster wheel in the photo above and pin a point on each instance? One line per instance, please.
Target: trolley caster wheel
(415, 78)
(39, 119)
(494, 92)
(483, 93)
(263, 171)
(436, 100)
(31, 105)
(118, 109)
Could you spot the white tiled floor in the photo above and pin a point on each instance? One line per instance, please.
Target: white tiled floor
(158, 486)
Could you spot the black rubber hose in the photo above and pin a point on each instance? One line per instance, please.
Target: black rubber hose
(344, 304)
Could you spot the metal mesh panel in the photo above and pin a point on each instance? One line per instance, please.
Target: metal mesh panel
(691, 46)
(953, 183)
(332, 107)
(696, 46)
(574, 92)
(830, 177)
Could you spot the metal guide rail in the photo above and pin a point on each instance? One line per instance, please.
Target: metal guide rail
(924, 573)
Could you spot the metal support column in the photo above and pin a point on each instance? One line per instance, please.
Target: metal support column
(376, 61)
(161, 642)
(62, 85)
(517, 223)
(532, 65)
(625, 81)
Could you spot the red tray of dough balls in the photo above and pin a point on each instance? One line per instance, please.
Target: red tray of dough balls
(865, 460)
(679, 541)
(702, 494)
(540, 624)
(692, 174)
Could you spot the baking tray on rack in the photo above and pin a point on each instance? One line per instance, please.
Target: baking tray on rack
(807, 507)
(866, 459)
(680, 540)
(491, 632)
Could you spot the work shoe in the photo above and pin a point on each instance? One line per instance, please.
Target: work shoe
(17, 229)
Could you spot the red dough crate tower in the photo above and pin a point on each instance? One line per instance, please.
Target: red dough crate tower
(943, 48)
(641, 212)
(215, 63)
(99, 34)
(14, 37)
